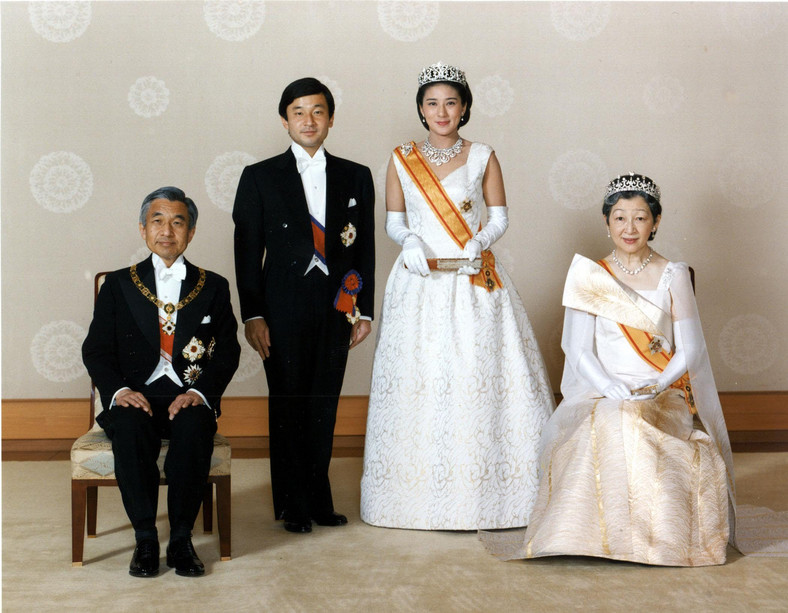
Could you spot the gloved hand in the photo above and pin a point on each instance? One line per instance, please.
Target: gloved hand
(413, 256)
(497, 222)
(472, 251)
(617, 391)
(412, 248)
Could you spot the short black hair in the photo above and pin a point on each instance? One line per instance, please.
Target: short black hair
(464, 91)
(173, 194)
(653, 204)
(308, 86)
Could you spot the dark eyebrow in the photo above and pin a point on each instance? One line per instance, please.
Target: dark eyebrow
(160, 213)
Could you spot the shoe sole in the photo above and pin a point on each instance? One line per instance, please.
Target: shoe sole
(186, 573)
(182, 573)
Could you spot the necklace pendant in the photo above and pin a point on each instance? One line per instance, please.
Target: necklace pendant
(168, 327)
(169, 308)
(440, 156)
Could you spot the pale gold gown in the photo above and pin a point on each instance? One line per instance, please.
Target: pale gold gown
(629, 480)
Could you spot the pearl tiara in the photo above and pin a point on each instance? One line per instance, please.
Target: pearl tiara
(632, 183)
(442, 72)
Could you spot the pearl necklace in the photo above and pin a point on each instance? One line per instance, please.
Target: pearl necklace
(637, 270)
(441, 156)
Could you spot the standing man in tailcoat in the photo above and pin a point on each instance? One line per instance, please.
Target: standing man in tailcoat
(305, 264)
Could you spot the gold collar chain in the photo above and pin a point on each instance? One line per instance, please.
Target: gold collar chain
(169, 308)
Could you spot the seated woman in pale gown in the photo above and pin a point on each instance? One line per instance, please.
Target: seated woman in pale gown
(459, 390)
(635, 463)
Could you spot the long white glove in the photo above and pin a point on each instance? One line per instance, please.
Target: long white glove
(497, 223)
(412, 248)
(589, 367)
(677, 365)
(578, 345)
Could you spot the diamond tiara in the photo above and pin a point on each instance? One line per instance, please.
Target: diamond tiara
(632, 183)
(442, 72)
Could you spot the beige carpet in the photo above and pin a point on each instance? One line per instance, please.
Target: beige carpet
(352, 568)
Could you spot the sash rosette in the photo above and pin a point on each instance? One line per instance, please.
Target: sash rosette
(345, 302)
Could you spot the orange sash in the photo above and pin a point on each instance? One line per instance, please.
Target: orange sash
(649, 349)
(447, 213)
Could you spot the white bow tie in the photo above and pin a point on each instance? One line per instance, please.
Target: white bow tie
(318, 163)
(176, 271)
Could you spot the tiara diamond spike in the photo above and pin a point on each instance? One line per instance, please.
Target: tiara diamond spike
(632, 183)
(442, 72)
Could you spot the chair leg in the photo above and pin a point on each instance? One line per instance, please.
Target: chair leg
(92, 505)
(207, 508)
(78, 504)
(223, 516)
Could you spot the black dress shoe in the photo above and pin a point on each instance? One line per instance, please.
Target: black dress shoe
(332, 519)
(298, 526)
(182, 557)
(145, 561)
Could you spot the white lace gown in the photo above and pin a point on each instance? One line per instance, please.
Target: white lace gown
(459, 390)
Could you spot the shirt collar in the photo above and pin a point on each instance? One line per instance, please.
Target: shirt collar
(301, 153)
(158, 263)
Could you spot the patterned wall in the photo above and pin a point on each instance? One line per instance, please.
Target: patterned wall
(104, 101)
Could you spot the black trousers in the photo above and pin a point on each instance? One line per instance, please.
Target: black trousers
(305, 369)
(136, 443)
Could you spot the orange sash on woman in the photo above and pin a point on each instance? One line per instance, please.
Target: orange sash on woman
(649, 349)
(447, 213)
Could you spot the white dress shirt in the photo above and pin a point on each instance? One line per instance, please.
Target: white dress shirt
(168, 289)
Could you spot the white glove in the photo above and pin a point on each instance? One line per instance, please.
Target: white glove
(413, 256)
(472, 251)
(592, 371)
(673, 371)
(678, 363)
(397, 227)
(497, 222)
(412, 248)
(617, 391)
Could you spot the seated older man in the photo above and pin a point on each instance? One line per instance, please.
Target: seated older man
(161, 350)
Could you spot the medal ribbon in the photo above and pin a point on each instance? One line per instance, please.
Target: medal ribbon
(319, 237)
(166, 340)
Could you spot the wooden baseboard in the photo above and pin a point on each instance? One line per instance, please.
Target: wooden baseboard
(241, 416)
(755, 420)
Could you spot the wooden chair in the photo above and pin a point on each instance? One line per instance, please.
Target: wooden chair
(92, 466)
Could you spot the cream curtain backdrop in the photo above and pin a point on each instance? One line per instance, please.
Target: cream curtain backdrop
(104, 101)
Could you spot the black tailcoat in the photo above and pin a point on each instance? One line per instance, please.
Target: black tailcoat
(309, 338)
(122, 346)
(122, 349)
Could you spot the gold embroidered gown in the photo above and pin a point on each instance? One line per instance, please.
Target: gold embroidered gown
(637, 480)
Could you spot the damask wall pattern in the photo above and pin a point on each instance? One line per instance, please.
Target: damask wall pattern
(102, 102)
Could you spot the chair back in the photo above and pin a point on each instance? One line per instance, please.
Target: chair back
(95, 399)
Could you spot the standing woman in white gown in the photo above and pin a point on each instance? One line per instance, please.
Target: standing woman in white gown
(637, 463)
(459, 391)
